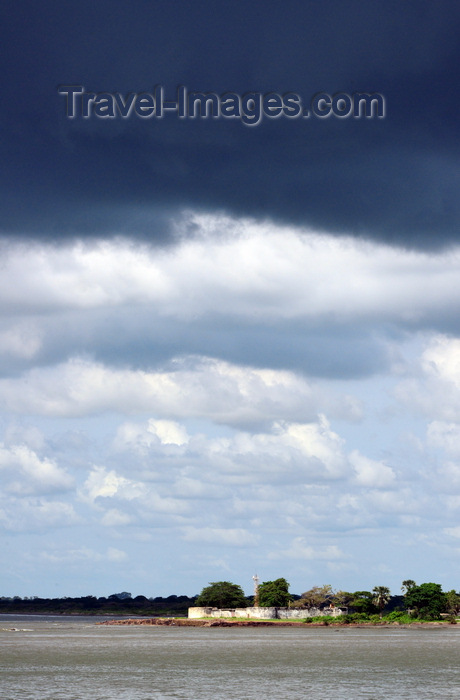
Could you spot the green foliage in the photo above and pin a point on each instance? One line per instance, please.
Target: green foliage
(323, 619)
(398, 616)
(222, 594)
(274, 594)
(327, 619)
(354, 617)
(363, 602)
(427, 600)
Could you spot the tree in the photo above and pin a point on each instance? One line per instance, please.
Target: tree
(427, 600)
(452, 603)
(124, 595)
(407, 585)
(274, 594)
(222, 594)
(316, 596)
(343, 598)
(381, 597)
(363, 602)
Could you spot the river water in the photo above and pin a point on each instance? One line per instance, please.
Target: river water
(56, 658)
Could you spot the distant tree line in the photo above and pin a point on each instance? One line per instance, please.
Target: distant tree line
(115, 604)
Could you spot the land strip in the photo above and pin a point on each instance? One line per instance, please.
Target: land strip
(220, 622)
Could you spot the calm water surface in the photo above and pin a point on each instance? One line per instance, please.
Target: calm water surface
(56, 658)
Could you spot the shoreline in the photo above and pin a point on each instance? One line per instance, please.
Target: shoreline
(222, 622)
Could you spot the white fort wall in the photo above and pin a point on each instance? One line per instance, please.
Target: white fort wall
(264, 613)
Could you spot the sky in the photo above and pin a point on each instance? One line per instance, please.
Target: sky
(229, 349)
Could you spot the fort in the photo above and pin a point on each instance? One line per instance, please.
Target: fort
(260, 613)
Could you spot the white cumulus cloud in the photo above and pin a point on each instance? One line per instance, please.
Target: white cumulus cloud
(24, 472)
(371, 473)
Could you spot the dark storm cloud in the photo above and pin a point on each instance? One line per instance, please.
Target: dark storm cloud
(394, 178)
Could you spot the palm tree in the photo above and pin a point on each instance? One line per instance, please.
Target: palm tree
(407, 585)
(381, 597)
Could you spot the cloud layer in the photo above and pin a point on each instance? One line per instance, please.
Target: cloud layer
(218, 464)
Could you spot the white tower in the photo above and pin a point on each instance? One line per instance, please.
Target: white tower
(255, 578)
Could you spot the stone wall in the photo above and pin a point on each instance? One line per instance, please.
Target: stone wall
(264, 613)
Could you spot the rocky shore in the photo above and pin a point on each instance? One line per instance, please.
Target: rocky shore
(185, 622)
(219, 622)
